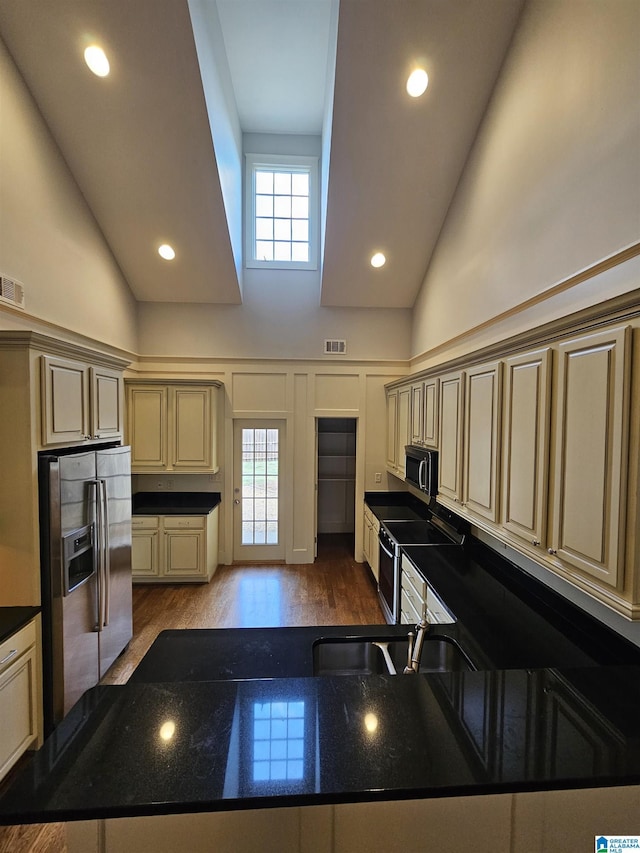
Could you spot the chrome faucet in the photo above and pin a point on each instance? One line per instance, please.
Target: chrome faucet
(415, 648)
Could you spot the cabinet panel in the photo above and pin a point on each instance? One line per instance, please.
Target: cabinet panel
(404, 426)
(481, 442)
(18, 696)
(192, 440)
(417, 414)
(184, 553)
(590, 453)
(430, 417)
(147, 418)
(392, 429)
(65, 401)
(450, 436)
(526, 445)
(144, 553)
(106, 403)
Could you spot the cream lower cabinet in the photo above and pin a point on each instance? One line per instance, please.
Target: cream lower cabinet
(174, 548)
(172, 427)
(19, 696)
(370, 545)
(590, 457)
(80, 402)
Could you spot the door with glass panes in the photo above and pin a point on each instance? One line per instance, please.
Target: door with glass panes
(257, 490)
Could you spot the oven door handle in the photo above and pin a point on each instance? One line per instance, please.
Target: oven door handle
(388, 553)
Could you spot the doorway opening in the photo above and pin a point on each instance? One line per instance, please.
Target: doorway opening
(336, 479)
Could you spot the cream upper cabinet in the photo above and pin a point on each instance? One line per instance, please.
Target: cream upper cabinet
(392, 430)
(107, 402)
(404, 429)
(80, 402)
(450, 436)
(172, 427)
(589, 463)
(525, 445)
(430, 403)
(417, 414)
(398, 428)
(482, 439)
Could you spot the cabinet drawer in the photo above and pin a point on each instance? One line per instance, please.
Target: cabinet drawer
(182, 522)
(410, 572)
(411, 607)
(145, 522)
(16, 645)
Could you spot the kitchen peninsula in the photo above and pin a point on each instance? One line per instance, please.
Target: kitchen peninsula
(225, 721)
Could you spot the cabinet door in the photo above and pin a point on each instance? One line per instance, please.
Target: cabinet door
(147, 427)
(392, 429)
(18, 696)
(417, 414)
(106, 403)
(184, 553)
(65, 401)
(430, 416)
(450, 436)
(404, 429)
(481, 440)
(144, 554)
(193, 428)
(525, 445)
(590, 453)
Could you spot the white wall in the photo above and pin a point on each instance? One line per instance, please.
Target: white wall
(551, 186)
(279, 318)
(49, 240)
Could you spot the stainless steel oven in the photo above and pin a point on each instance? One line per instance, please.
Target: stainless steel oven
(443, 529)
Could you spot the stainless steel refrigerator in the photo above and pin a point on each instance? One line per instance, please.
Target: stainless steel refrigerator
(85, 550)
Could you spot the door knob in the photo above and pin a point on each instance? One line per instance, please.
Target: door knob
(237, 501)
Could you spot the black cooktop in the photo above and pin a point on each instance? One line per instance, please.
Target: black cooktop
(416, 533)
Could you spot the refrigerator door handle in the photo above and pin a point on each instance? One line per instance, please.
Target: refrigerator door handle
(100, 488)
(106, 562)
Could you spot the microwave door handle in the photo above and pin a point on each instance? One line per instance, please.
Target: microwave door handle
(421, 480)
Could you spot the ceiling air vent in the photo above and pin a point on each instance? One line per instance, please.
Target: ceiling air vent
(11, 292)
(335, 347)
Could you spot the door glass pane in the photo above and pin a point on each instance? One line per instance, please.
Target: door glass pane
(260, 450)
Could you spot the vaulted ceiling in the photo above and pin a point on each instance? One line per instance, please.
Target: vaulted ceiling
(157, 153)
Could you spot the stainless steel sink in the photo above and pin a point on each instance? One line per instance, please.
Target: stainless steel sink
(350, 657)
(382, 656)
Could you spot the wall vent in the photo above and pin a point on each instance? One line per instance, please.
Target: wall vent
(11, 292)
(335, 347)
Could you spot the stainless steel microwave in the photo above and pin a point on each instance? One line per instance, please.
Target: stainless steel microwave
(421, 469)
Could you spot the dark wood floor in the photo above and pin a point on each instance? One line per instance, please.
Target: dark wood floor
(335, 590)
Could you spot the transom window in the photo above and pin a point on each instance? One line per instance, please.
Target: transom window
(281, 212)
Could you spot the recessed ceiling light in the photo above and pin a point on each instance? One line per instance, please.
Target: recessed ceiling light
(378, 260)
(417, 82)
(96, 59)
(166, 251)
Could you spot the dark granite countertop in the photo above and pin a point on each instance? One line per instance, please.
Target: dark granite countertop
(14, 618)
(204, 746)
(395, 506)
(174, 503)
(554, 702)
